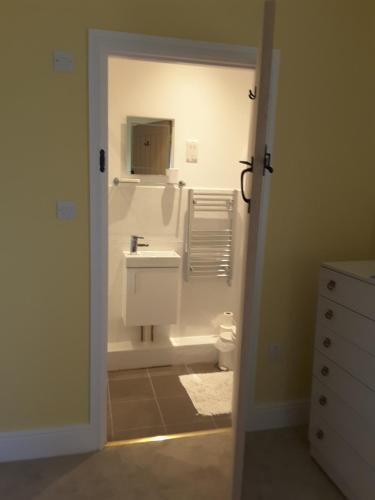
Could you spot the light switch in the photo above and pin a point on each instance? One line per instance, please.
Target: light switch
(66, 210)
(63, 62)
(192, 151)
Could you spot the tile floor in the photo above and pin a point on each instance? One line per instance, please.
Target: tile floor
(152, 401)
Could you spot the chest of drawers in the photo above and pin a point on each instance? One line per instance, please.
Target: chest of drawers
(342, 421)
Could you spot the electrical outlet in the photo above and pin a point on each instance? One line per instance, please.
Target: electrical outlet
(66, 210)
(192, 151)
(63, 62)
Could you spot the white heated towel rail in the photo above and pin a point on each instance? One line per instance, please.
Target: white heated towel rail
(209, 242)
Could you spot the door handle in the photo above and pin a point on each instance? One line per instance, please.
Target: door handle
(102, 160)
(250, 165)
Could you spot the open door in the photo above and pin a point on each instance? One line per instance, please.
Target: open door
(259, 157)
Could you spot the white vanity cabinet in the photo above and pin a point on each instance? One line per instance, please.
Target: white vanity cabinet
(151, 283)
(342, 422)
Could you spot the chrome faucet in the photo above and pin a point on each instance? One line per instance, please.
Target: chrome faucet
(134, 243)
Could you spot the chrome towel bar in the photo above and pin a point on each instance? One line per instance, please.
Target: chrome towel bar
(209, 241)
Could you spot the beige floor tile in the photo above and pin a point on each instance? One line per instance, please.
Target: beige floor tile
(130, 389)
(167, 370)
(189, 427)
(168, 386)
(222, 421)
(132, 414)
(128, 374)
(139, 433)
(179, 411)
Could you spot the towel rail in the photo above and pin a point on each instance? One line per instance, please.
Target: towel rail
(209, 242)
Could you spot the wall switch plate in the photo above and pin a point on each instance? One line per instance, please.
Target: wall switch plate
(192, 151)
(66, 210)
(63, 62)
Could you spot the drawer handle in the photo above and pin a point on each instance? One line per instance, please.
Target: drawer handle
(325, 371)
(322, 400)
(320, 434)
(329, 314)
(331, 285)
(327, 342)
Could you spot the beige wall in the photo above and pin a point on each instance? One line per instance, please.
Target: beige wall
(321, 201)
(372, 101)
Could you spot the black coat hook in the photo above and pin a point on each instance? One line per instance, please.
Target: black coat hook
(253, 95)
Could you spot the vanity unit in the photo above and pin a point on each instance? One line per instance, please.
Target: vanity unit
(150, 288)
(342, 424)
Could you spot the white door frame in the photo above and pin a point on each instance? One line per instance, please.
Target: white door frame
(103, 44)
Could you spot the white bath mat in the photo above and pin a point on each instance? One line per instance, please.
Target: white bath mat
(210, 393)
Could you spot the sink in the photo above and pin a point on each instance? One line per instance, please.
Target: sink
(152, 258)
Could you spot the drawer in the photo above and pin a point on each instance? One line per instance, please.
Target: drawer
(351, 391)
(354, 429)
(350, 325)
(346, 463)
(347, 291)
(356, 361)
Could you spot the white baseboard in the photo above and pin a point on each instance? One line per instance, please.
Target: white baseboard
(278, 415)
(40, 443)
(174, 351)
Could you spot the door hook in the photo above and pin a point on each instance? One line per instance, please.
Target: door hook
(253, 95)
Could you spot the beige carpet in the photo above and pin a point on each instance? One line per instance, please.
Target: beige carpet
(277, 467)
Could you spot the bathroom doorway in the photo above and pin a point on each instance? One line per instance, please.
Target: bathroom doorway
(160, 270)
(176, 133)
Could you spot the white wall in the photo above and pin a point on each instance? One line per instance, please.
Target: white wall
(208, 104)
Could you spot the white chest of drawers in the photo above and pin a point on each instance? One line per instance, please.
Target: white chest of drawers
(342, 421)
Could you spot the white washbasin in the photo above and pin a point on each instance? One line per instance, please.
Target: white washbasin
(152, 258)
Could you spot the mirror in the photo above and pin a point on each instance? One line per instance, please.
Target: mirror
(149, 142)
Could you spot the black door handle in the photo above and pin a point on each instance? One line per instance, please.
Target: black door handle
(243, 173)
(102, 160)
